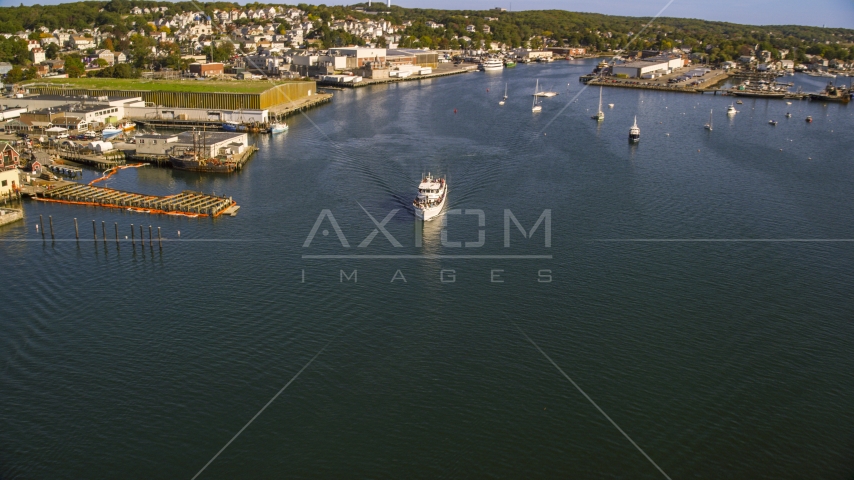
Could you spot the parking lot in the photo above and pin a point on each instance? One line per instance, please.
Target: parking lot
(685, 78)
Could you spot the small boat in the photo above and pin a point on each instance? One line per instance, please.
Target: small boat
(432, 194)
(788, 103)
(634, 132)
(110, 132)
(730, 110)
(773, 123)
(509, 64)
(536, 107)
(739, 102)
(278, 127)
(505, 95)
(788, 115)
(610, 105)
(600, 115)
(708, 126)
(231, 126)
(809, 119)
(126, 126)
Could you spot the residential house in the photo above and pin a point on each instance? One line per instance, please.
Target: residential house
(106, 55)
(37, 55)
(486, 29)
(471, 28)
(81, 42)
(31, 44)
(9, 155)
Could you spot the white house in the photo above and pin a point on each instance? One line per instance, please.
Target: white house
(81, 42)
(37, 55)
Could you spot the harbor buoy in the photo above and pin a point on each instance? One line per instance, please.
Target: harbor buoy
(455, 111)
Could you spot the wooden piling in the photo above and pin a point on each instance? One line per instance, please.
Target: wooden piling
(104, 231)
(76, 230)
(132, 236)
(150, 243)
(50, 222)
(159, 238)
(94, 231)
(141, 237)
(117, 233)
(41, 222)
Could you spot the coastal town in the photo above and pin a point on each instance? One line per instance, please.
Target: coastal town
(188, 89)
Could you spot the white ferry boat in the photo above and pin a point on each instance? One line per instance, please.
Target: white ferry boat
(634, 132)
(279, 127)
(432, 193)
(492, 63)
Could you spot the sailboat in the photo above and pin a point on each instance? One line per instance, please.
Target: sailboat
(708, 126)
(634, 132)
(536, 107)
(600, 115)
(505, 95)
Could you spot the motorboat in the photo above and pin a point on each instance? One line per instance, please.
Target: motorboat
(634, 132)
(431, 198)
(278, 127)
(730, 110)
(600, 115)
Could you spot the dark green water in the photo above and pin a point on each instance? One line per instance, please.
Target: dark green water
(719, 359)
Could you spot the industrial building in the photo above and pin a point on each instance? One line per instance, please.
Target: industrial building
(653, 65)
(214, 143)
(267, 96)
(207, 69)
(361, 54)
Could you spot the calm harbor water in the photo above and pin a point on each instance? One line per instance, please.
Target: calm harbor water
(720, 359)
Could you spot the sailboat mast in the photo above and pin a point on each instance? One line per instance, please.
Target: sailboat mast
(600, 98)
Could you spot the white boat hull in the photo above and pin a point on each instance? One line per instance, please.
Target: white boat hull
(429, 213)
(490, 68)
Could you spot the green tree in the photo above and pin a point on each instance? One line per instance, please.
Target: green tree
(15, 75)
(74, 67)
(51, 51)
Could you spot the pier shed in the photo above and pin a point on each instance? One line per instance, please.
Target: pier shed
(216, 143)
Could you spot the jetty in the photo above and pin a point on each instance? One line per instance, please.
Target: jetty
(9, 215)
(186, 203)
(442, 72)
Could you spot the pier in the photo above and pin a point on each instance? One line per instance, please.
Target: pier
(111, 159)
(188, 203)
(66, 170)
(368, 82)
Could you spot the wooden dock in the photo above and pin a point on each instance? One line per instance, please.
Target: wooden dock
(98, 161)
(188, 203)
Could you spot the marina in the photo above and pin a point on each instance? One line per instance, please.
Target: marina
(689, 296)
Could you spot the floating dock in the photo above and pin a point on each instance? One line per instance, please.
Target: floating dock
(187, 203)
